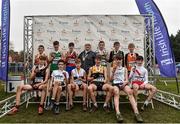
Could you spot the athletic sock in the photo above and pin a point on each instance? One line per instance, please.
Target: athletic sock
(57, 103)
(118, 113)
(17, 106)
(105, 105)
(95, 104)
(146, 102)
(52, 99)
(40, 105)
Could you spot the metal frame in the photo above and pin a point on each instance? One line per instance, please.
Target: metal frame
(164, 97)
(149, 55)
(167, 98)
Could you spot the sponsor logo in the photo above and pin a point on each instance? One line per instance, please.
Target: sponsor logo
(88, 22)
(125, 40)
(51, 40)
(89, 39)
(88, 31)
(76, 40)
(125, 23)
(76, 23)
(38, 40)
(63, 22)
(101, 31)
(39, 32)
(64, 31)
(101, 22)
(113, 39)
(113, 31)
(51, 31)
(137, 40)
(51, 23)
(113, 23)
(63, 39)
(76, 31)
(125, 31)
(137, 23)
(38, 23)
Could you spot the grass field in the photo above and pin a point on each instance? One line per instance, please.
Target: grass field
(161, 114)
(3, 94)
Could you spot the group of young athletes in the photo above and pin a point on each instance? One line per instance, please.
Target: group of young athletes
(90, 72)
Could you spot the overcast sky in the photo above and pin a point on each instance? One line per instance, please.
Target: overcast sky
(19, 8)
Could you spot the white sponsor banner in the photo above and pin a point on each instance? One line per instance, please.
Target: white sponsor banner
(89, 29)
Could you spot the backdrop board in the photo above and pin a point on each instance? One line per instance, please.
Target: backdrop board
(82, 29)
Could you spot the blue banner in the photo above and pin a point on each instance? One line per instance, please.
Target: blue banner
(5, 28)
(163, 49)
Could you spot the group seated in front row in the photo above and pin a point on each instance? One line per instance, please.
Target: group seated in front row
(98, 81)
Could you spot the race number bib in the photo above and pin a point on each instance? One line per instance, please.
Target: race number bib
(103, 63)
(132, 64)
(118, 81)
(55, 60)
(71, 61)
(38, 79)
(99, 79)
(139, 78)
(59, 78)
(77, 81)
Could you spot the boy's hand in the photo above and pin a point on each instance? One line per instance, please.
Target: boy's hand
(64, 73)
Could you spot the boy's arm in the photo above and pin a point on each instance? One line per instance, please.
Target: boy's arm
(112, 71)
(146, 76)
(47, 76)
(89, 75)
(125, 60)
(132, 73)
(126, 81)
(105, 75)
(72, 78)
(33, 73)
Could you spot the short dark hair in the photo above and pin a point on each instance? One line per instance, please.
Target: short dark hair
(56, 43)
(131, 45)
(140, 58)
(116, 43)
(78, 61)
(98, 57)
(61, 61)
(101, 41)
(71, 44)
(41, 46)
(117, 57)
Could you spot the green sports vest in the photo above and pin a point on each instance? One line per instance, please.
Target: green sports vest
(54, 64)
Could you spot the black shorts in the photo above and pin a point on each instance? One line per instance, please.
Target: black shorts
(63, 87)
(119, 86)
(99, 85)
(34, 88)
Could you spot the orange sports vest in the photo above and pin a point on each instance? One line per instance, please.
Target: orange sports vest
(131, 59)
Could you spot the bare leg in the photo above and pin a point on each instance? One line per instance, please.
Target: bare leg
(116, 99)
(70, 93)
(43, 93)
(58, 95)
(92, 89)
(135, 91)
(55, 88)
(129, 92)
(19, 91)
(84, 88)
(108, 88)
